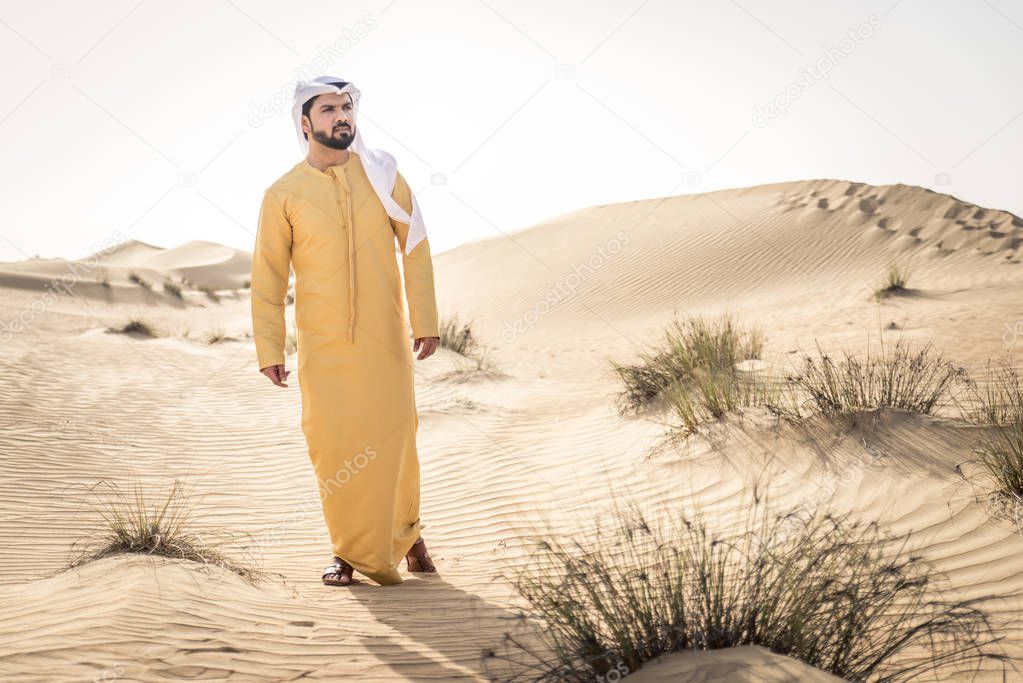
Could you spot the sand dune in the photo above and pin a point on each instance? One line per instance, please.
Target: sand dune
(554, 302)
(747, 664)
(760, 252)
(134, 272)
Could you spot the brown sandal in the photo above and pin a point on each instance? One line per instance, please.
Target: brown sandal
(418, 559)
(339, 573)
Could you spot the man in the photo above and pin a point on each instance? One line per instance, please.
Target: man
(333, 218)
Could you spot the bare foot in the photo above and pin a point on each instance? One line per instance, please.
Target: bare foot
(418, 558)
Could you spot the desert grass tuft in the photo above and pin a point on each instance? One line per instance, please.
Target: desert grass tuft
(475, 359)
(897, 377)
(833, 593)
(173, 289)
(137, 279)
(689, 345)
(895, 281)
(999, 400)
(458, 337)
(215, 336)
(130, 524)
(713, 393)
(1001, 453)
(998, 406)
(137, 326)
(478, 365)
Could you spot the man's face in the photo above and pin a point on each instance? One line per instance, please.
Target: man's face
(331, 120)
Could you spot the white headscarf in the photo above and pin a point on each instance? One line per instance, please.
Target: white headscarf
(381, 167)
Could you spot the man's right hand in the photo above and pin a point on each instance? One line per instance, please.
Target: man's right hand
(277, 374)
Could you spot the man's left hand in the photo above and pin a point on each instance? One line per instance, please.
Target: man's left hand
(429, 345)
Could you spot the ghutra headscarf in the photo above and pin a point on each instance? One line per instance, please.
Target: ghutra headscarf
(381, 168)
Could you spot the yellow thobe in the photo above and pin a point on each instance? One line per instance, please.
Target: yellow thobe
(355, 364)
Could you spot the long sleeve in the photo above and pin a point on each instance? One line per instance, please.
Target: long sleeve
(271, 261)
(418, 269)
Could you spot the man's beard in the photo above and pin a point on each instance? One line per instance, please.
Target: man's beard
(340, 140)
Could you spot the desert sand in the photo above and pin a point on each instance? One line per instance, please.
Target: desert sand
(538, 440)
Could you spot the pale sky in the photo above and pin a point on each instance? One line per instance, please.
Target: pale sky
(166, 121)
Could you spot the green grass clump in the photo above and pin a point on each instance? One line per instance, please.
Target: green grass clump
(1001, 453)
(131, 525)
(897, 377)
(838, 595)
(475, 362)
(998, 406)
(713, 393)
(689, 346)
(696, 373)
(894, 282)
(999, 400)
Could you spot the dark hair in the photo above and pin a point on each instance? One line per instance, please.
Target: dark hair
(308, 106)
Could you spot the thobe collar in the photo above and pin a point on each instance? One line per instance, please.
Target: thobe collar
(332, 170)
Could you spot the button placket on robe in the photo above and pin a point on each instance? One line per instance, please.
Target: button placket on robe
(344, 207)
